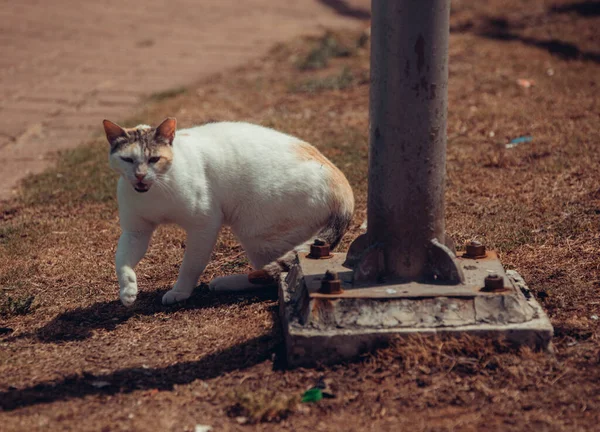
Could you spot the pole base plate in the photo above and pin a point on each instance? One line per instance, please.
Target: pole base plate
(324, 328)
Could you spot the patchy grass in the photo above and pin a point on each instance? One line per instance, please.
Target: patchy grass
(7, 234)
(341, 81)
(12, 306)
(262, 406)
(79, 351)
(81, 176)
(329, 46)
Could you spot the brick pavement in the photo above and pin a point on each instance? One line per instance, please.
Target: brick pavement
(67, 64)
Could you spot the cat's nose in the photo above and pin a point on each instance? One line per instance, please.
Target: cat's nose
(140, 176)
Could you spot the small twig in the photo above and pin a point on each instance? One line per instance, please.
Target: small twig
(554, 381)
(451, 367)
(236, 255)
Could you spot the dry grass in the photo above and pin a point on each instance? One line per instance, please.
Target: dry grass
(79, 354)
(262, 406)
(327, 47)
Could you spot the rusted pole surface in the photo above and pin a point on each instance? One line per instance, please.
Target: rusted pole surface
(407, 159)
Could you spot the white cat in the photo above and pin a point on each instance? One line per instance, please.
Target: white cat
(275, 191)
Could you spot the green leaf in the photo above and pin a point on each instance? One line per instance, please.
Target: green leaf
(312, 395)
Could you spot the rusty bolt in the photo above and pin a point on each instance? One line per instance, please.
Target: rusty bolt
(319, 250)
(475, 249)
(493, 282)
(331, 284)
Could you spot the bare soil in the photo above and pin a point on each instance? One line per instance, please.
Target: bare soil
(73, 358)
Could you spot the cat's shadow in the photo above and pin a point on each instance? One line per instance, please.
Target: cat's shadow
(78, 324)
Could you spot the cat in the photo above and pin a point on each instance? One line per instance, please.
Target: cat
(275, 191)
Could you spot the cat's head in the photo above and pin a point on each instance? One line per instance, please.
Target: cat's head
(142, 155)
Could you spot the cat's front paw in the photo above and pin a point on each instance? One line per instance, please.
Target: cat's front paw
(128, 295)
(173, 296)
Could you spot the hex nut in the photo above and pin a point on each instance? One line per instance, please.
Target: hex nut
(493, 282)
(475, 249)
(319, 250)
(331, 284)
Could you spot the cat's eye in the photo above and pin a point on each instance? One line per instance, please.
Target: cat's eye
(126, 159)
(154, 159)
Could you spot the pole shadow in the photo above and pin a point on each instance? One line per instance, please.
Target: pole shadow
(584, 8)
(237, 357)
(500, 29)
(342, 7)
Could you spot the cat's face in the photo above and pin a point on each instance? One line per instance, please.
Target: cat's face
(142, 155)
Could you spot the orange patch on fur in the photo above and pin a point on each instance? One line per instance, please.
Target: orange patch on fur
(308, 152)
(166, 158)
(343, 198)
(281, 228)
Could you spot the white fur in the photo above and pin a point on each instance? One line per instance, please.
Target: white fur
(232, 283)
(246, 176)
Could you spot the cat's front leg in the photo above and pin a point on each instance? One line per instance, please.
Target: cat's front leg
(197, 253)
(131, 249)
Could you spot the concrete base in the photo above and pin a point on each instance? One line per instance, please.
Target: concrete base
(328, 328)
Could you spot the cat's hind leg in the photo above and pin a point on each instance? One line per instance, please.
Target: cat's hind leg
(268, 264)
(240, 282)
(269, 254)
(234, 283)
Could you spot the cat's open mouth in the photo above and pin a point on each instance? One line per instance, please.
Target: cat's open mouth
(141, 187)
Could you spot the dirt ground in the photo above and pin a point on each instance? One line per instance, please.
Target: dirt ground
(73, 358)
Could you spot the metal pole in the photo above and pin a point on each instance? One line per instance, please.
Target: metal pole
(406, 237)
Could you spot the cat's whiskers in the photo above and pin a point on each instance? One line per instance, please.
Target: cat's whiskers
(160, 185)
(165, 187)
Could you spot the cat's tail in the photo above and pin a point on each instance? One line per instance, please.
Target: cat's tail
(341, 210)
(334, 230)
(331, 233)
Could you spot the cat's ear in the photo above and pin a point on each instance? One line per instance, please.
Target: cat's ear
(113, 131)
(166, 130)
